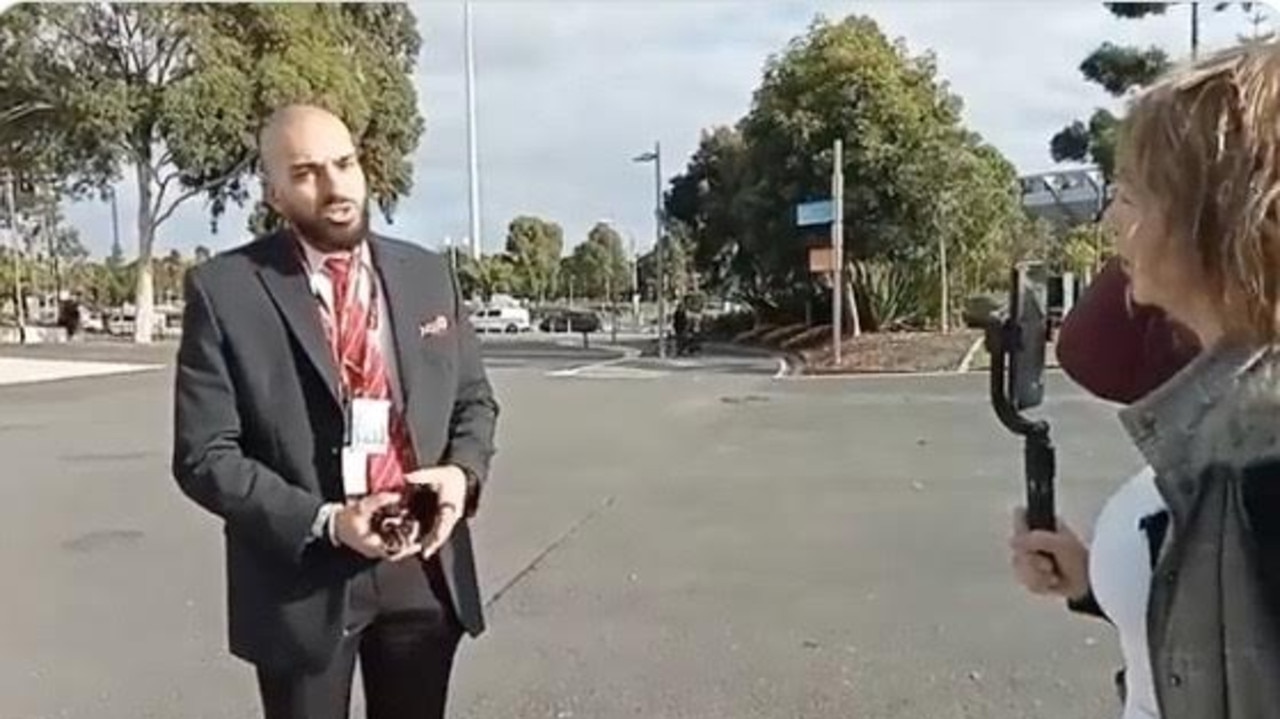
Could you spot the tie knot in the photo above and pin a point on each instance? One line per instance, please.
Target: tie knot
(338, 267)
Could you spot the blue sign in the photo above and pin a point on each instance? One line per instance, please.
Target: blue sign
(821, 212)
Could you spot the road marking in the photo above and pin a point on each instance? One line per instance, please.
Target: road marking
(609, 372)
(628, 354)
(967, 362)
(575, 371)
(21, 370)
(902, 375)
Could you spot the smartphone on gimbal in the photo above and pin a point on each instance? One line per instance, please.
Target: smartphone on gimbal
(1018, 342)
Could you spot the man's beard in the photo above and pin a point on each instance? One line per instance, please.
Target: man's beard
(328, 237)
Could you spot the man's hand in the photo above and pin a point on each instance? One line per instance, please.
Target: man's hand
(450, 485)
(353, 524)
(1049, 562)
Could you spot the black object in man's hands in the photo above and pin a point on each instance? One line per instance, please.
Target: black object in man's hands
(401, 524)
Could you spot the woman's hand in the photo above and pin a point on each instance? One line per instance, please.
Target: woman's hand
(1049, 562)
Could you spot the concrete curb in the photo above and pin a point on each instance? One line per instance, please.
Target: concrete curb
(628, 353)
(791, 364)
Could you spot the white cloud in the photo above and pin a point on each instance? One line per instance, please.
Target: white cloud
(570, 90)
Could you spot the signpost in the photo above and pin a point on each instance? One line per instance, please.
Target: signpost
(819, 212)
(837, 242)
(829, 259)
(11, 216)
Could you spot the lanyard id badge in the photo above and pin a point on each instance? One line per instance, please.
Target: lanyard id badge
(355, 473)
(369, 423)
(368, 429)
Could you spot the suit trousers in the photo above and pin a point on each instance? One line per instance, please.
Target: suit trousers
(402, 627)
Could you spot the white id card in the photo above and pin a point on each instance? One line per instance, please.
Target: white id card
(370, 425)
(355, 472)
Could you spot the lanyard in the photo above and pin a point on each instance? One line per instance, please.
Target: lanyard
(359, 270)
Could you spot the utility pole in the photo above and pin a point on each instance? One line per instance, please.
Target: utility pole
(945, 280)
(11, 214)
(635, 277)
(116, 247)
(837, 251)
(662, 252)
(473, 162)
(453, 258)
(51, 237)
(1195, 30)
(655, 157)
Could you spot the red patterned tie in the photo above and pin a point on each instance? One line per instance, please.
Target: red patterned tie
(363, 370)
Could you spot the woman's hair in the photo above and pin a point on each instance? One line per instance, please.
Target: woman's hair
(1201, 148)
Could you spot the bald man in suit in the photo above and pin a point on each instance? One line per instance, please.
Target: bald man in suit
(325, 376)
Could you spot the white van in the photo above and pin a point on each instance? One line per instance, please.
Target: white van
(510, 320)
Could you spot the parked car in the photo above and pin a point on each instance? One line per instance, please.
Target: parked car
(511, 320)
(571, 321)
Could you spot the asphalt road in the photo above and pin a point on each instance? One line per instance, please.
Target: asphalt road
(700, 544)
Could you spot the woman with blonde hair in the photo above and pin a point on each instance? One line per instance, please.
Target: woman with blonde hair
(1185, 558)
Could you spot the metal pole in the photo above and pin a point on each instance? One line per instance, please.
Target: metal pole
(613, 308)
(115, 224)
(635, 277)
(473, 164)
(837, 252)
(661, 252)
(1195, 29)
(945, 279)
(52, 238)
(11, 205)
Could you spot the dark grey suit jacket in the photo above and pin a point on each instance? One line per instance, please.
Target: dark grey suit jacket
(258, 427)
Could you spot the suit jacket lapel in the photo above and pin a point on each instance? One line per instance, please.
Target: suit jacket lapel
(396, 278)
(286, 281)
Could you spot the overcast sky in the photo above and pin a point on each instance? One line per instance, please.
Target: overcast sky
(569, 91)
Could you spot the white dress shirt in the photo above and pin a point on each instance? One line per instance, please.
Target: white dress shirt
(1120, 574)
(322, 288)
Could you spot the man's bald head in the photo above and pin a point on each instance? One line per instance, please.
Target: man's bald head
(280, 131)
(313, 176)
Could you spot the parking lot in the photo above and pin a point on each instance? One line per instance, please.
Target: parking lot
(691, 543)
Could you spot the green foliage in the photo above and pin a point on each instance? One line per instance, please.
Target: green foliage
(598, 268)
(1119, 70)
(1080, 249)
(1132, 10)
(904, 149)
(483, 278)
(890, 293)
(678, 252)
(175, 93)
(534, 246)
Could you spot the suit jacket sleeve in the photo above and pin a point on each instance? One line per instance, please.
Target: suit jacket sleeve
(208, 461)
(475, 411)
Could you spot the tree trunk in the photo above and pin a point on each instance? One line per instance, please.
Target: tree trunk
(851, 305)
(144, 297)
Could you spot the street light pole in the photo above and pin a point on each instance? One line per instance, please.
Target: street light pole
(655, 156)
(116, 247)
(837, 251)
(473, 162)
(662, 250)
(51, 236)
(12, 216)
(1195, 30)
(635, 278)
